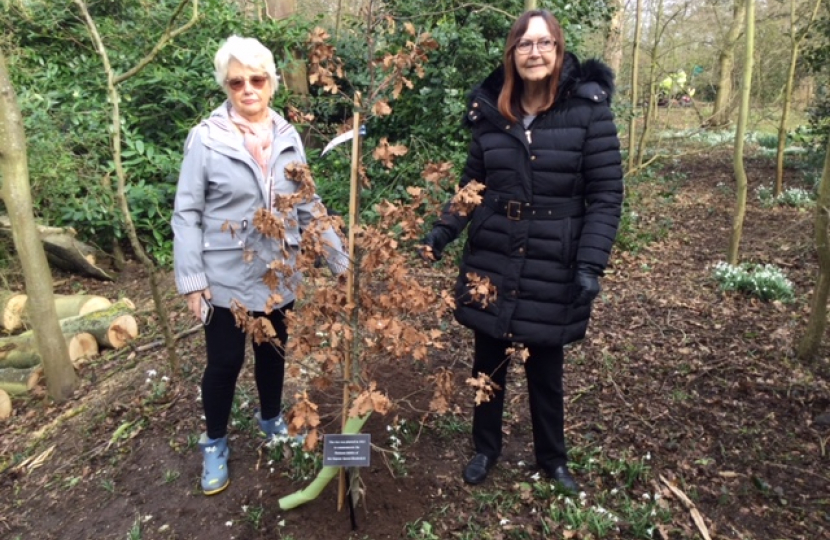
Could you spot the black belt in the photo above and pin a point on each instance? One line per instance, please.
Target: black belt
(518, 210)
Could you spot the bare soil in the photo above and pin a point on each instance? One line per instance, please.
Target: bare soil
(703, 382)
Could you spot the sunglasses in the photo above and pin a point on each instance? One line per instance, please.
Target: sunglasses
(238, 83)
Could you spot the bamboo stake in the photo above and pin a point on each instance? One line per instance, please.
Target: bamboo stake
(350, 359)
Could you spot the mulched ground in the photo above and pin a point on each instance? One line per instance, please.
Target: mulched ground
(702, 382)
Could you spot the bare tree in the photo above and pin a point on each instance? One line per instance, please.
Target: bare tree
(726, 64)
(796, 37)
(809, 343)
(635, 59)
(113, 80)
(61, 380)
(613, 52)
(740, 132)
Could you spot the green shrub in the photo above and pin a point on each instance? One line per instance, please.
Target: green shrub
(796, 197)
(764, 281)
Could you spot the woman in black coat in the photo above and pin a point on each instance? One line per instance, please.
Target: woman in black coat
(545, 146)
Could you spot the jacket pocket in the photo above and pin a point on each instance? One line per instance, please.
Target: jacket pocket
(480, 216)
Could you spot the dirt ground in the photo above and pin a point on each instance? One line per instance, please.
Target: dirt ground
(704, 383)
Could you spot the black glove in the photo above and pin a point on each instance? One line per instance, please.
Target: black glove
(587, 280)
(436, 240)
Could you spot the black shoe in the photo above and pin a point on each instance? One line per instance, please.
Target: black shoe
(476, 470)
(562, 476)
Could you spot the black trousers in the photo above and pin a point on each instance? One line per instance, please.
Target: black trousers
(225, 356)
(543, 370)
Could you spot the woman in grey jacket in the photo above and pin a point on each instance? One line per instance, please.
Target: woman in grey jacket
(234, 165)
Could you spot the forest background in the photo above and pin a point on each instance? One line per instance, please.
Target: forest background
(690, 67)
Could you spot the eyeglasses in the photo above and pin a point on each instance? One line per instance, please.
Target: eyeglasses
(238, 83)
(543, 45)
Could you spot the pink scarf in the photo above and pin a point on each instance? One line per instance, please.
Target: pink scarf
(258, 138)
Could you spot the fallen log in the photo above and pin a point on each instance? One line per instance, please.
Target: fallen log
(64, 251)
(113, 327)
(21, 351)
(15, 317)
(19, 381)
(71, 305)
(70, 254)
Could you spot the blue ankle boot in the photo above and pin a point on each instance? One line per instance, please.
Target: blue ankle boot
(215, 465)
(276, 429)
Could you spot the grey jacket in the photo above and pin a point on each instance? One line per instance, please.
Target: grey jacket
(220, 188)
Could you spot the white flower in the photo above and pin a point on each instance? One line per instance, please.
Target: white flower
(165, 378)
(228, 523)
(152, 372)
(504, 522)
(535, 477)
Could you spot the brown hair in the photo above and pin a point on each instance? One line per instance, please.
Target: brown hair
(511, 92)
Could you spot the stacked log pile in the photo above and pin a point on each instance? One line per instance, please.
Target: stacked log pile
(89, 323)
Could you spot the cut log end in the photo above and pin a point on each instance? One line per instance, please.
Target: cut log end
(122, 330)
(95, 303)
(82, 347)
(13, 312)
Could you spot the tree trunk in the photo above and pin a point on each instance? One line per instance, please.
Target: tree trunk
(809, 344)
(613, 51)
(732, 256)
(635, 59)
(726, 64)
(61, 380)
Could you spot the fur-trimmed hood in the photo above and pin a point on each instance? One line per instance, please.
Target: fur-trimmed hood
(584, 79)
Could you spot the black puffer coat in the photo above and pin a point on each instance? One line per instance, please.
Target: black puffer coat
(569, 155)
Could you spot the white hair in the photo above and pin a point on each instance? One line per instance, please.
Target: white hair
(250, 53)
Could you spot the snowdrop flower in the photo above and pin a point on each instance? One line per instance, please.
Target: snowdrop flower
(535, 477)
(152, 373)
(228, 523)
(504, 522)
(165, 378)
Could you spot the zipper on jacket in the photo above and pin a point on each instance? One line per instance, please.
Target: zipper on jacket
(529, 139)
